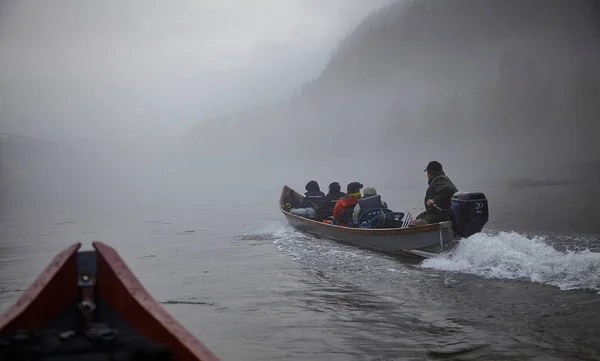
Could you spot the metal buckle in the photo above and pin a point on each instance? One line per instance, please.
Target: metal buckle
(86, 307)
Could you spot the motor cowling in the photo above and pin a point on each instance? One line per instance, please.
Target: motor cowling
(469, 212)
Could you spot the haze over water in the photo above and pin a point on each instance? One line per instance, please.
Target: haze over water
(167, 131)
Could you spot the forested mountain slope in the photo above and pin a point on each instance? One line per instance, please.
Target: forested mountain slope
(490, 88)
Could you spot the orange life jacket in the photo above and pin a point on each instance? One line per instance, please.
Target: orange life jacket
(342, 204)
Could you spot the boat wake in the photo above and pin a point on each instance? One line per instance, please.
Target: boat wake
(332, 259)
(305, 247)
(510, 255)
(501, 255)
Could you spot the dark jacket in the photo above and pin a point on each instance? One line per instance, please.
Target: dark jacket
(313, 199)
(440, 190)
(366, 204)
(325, 210)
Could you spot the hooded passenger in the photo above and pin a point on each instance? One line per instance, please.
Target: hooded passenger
(325, 211)
(313, 197)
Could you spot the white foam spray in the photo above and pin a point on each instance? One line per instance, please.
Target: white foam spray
(510, 255)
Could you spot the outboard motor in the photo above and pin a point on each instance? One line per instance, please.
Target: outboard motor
(469, 212)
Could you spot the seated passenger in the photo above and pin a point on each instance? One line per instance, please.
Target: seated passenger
(313, 197)
(342, 212)
(438, 196)
(325, 210)
(369, 201)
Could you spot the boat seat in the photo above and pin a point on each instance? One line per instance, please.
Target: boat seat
(369, 214)
(382, 218)
(96, 343)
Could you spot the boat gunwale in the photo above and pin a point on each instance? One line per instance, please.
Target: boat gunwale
(117, 286)
(39, 291)
(435, 227)
(183, 344)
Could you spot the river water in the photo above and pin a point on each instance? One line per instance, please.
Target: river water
(252, 288)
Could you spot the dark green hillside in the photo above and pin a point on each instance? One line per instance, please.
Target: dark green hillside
(508, 85)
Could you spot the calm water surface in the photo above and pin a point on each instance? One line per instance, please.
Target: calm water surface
(251, 288)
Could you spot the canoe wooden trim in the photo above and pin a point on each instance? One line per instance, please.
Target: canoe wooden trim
(119, 287)
(50, 292)
(385, 231)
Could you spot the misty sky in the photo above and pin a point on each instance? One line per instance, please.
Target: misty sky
(82, 67)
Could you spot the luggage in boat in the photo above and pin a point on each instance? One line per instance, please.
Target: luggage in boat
(304, 212)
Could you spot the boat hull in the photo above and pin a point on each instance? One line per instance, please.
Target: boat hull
(421, 240)
(55, 298)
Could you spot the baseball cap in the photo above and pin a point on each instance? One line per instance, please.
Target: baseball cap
(354, 187)
(433, 166)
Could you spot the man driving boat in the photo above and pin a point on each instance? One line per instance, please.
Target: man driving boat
(438, 196)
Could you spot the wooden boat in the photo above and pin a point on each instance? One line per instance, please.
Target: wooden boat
(90, 304)
(423, 241)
